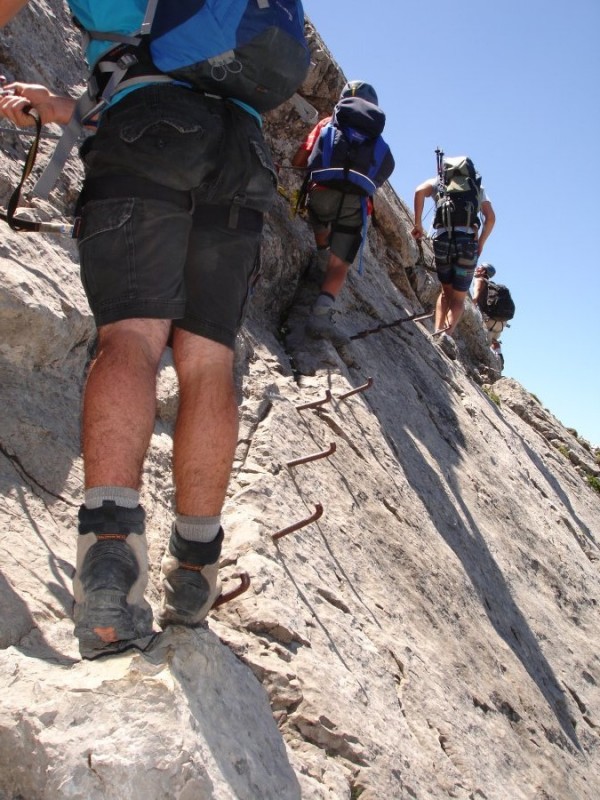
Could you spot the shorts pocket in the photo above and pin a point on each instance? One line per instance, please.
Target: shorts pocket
(159, 144)
(466, 253)
(106, 251)
(158, 128)
(264, 158)
(259, 191)
(441, 251)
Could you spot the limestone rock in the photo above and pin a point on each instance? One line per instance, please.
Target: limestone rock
(432, 634)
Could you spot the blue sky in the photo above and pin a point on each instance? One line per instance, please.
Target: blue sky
(515, 85)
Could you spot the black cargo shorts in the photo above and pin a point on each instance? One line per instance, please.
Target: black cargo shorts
(171, 211)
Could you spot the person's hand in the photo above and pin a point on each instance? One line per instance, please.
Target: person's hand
(18, 99)
(417, 232)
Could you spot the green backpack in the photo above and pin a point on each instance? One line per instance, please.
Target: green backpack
(459, 186)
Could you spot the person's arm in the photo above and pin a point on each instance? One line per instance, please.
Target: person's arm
(480, 292)
(8, 9)
(50, 107)
(421, 192)
(302, 154)
(489, 220)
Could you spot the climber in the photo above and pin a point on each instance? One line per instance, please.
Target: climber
(347, 160)
(495, 303)
(168, 237)
(460, 200)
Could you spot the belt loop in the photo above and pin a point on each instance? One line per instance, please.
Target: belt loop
(234, 211)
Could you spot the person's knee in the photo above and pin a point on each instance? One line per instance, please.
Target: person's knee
(457, 301)
(446, 293)
(140, 340)
(199, 358)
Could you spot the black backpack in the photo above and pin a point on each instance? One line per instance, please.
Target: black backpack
(350, 153)
(459, 187)
(500, 305)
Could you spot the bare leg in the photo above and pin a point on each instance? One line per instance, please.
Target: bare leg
(441, 307)
(456, 309)
(120, 401)
(118, 418)
(335, 275)
(207, 424)
(322, 238)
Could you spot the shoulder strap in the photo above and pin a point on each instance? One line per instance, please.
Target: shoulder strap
(328, 136)
(379, 153)
(115, 64)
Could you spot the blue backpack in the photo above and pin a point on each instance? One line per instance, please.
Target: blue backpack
(351, 156)
(350, 153)
(251, 50)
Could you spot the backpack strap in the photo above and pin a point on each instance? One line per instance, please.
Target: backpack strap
(108, 76)
(328, 173)
(380, 152)
(365, 216)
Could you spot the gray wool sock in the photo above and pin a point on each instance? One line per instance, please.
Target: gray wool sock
(197, 529)
(121, 495)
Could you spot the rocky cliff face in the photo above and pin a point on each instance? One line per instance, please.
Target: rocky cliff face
(432, 633)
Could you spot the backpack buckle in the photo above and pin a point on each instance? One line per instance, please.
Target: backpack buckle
(126, 61)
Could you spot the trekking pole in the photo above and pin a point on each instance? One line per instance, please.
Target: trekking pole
(446, 203)
(413, 318)
(439, 155)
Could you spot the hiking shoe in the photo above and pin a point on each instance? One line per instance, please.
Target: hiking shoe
(322, 326)
(190, 578)
(447, 345)
(110, 579)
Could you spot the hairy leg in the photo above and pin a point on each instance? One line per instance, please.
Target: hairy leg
(119, 405)
(207, 424)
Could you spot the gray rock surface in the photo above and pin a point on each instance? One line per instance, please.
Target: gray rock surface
(433, 634)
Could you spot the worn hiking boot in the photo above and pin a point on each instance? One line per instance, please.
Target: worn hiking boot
(110, 579)
(190, 577)
(322, 326)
